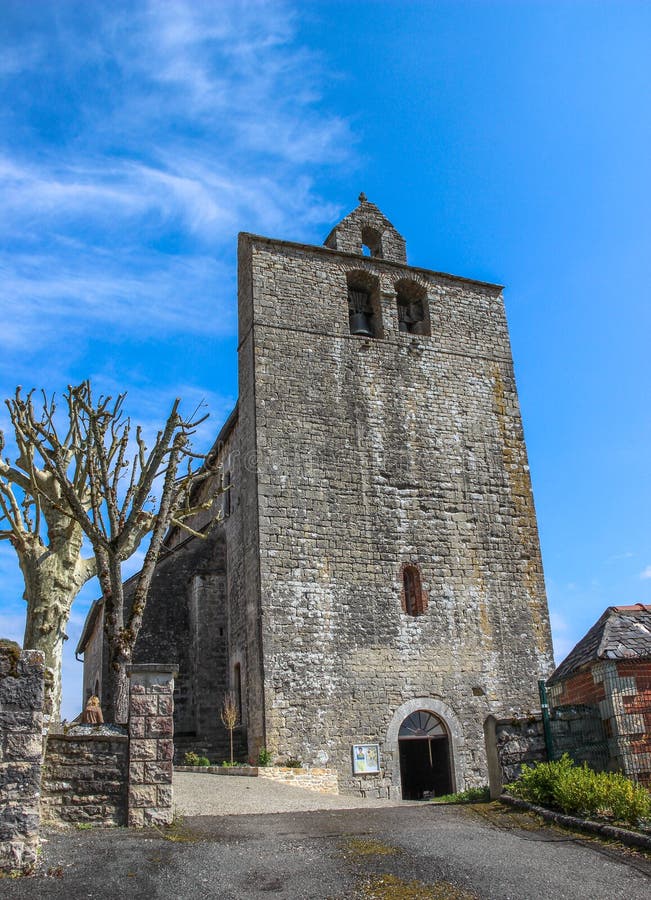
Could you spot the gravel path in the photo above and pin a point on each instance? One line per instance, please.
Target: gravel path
(227, 795)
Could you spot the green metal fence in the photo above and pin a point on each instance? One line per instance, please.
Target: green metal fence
(613, 735)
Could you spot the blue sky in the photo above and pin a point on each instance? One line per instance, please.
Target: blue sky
(507, 141)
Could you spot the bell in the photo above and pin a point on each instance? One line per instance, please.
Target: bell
(360, 323)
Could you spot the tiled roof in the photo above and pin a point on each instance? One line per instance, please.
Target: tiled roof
(622, 632)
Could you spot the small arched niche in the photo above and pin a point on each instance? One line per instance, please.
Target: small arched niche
(413, 308)
(364, 311)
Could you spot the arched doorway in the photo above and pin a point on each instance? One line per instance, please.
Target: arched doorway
(424, 749)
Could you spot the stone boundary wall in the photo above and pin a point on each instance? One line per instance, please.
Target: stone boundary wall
(242, 771)
(323, 781)
(510, 744)
(21, 743)
(151, 744)
(85, 779)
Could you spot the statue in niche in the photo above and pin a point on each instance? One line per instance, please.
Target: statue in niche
(92, 715)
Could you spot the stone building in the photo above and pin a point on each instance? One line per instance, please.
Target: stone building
(375, 581)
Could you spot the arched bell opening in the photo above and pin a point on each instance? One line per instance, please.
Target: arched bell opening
(413, 308)
(364, 312)
(425, 757)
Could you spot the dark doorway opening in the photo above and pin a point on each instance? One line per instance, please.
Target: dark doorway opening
(424, 748)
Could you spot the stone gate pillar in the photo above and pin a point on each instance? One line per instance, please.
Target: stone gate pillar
(21, 747)
(151, 744)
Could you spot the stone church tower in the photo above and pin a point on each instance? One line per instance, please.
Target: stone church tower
(376, 578)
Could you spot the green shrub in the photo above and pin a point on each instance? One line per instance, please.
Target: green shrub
(229, 765)
(265, 757)
(536, 783)
(579, 790)
(191, 759)
(203, 761)
(576, 791)
(294, 763)
(627, 800)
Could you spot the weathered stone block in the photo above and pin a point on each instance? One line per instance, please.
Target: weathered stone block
(165, 750)
(158, 772)
(143, 749)
(137, 771)
(165, 705)
(159, 726)
(164, 795)
(146, 705)
(142, 795)
(136, 817)
(158, 816)
(137, 727)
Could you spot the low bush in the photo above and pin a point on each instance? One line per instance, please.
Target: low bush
(203, 761)
(293, 763)
(229, 765)
(265, 757)
(191, 759)
(537, 783)
(578, 790)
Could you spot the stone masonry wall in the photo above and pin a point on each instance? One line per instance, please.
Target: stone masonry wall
(510, 744)
(185, 622)
(372, 454)
(21, 742)
(323, 781)
(151, 745)
(85, 779)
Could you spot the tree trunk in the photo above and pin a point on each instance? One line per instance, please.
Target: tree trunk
(45, 630)
(50, 589)
(119, 692)
(53, 577)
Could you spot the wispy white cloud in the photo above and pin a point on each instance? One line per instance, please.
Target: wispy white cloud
(646, 573)
(617, 557)
(47, 295)
(198, 120)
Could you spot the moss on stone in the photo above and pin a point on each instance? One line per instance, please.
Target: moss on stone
(12, 651)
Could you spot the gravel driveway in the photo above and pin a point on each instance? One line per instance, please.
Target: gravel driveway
(228, 795)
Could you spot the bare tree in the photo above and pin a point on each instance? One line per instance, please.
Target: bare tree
(107, 496)
(230, 716)
(36, 519)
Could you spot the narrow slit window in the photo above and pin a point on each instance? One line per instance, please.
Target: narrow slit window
(226, 501)
(414, 598)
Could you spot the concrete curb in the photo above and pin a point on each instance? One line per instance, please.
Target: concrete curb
(630, 838)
